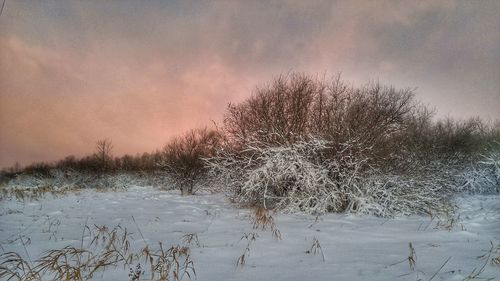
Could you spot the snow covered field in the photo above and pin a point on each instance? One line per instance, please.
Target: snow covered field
(349, 247)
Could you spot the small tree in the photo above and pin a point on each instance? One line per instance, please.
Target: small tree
(103, 154)
(182, 158)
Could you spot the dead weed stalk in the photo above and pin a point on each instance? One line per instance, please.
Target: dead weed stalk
(250, 238)
(263, 220)
(107, 248)
(316, 248)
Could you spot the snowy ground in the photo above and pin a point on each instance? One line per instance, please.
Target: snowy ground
(354, 248)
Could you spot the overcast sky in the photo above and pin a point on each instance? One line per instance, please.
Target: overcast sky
(140, 72)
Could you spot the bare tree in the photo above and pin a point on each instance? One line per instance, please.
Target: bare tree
(182, 157)
(296, 107)
(103, 154)
(277, 113)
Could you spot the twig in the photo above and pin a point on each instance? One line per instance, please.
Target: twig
(83, 231)
(26, 250)
(449, 258)
(143, 239)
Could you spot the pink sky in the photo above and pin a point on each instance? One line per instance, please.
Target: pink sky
(73, 72)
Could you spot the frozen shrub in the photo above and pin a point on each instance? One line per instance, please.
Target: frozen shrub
(393, 195)
(292, 178)
(269, 176)
(300, 177)
(484, 176)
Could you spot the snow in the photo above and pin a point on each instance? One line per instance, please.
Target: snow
(354, 247)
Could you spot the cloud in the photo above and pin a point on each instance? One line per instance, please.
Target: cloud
(139, 73)
(55, 105)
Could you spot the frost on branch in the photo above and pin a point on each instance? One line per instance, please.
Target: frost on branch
(484, 176)
(290, 177)
(299, 177)
(307, 176)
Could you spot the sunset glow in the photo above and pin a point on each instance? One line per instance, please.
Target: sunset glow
(140, 72)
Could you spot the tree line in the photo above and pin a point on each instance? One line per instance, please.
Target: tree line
(389, 126)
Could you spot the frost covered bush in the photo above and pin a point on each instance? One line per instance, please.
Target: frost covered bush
(299, 177)
(283, 177)
(302, 143)
(484, 176)
(390, 195)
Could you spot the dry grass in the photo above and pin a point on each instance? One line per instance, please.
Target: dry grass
(450, 222)
(169, 264)
(492, 255)
(262, 219)
(107, 248)
(14, 267)
(136, 273)
(34, 193)
(31, 187)
(496, 260)
(436, 273)
(476, 274)
(190, 239)
(411, 259)
(250, 238)
(316, 248)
